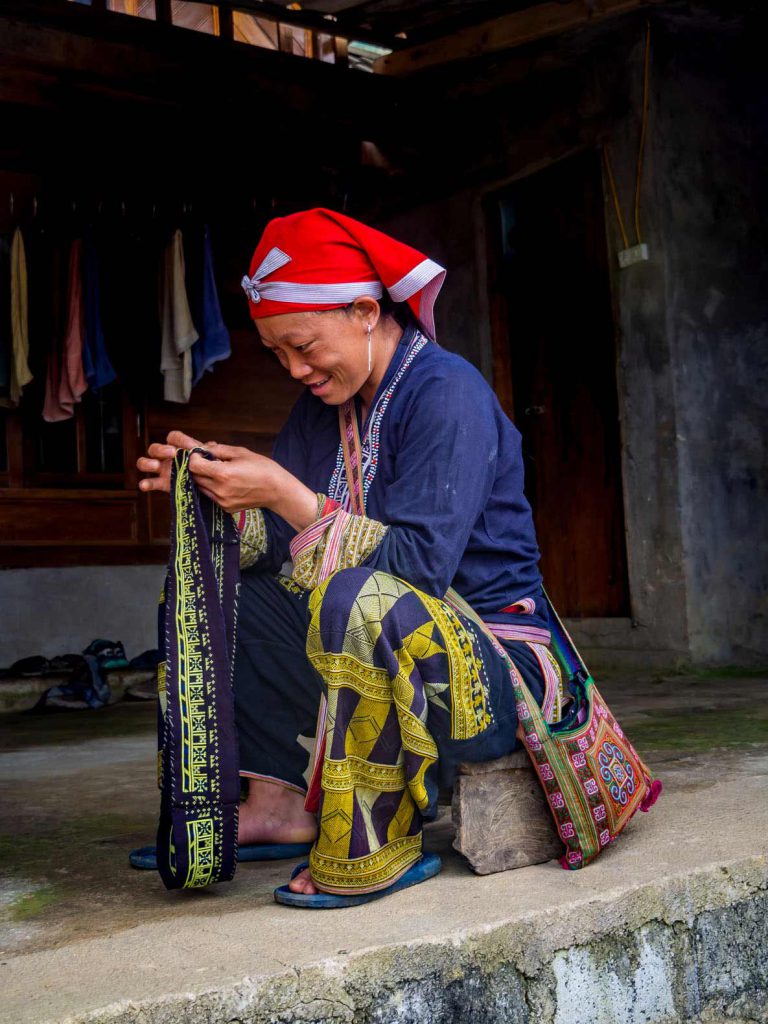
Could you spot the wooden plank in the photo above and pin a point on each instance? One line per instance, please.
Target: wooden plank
(501, 816)
(505, 32)
(518, 761)
(65, 555)
(29, 521)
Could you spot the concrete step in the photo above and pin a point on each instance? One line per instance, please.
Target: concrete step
(668, 925)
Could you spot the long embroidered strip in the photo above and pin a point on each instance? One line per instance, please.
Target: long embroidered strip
(198, 755)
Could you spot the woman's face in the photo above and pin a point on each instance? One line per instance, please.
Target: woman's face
(327, 352)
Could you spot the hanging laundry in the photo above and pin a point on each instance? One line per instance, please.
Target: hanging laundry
(5, 320)
(66, 382)
(178, 329)
(213, 344)
(20, 375)
(98, 369)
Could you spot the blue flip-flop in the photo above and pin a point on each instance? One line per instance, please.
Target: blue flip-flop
(145, 858)
(427, 867)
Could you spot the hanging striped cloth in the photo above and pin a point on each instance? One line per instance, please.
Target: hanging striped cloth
(198, 770)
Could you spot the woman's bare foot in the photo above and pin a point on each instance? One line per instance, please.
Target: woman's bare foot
(303, 883)
(274, 814)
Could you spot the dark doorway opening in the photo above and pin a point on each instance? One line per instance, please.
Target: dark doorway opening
(555, 371)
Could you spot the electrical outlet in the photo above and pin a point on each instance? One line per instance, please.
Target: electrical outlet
(635, 254)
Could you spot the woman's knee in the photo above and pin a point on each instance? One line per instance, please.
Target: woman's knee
(342, 591)
(352, 600)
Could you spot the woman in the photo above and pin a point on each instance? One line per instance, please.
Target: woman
(398, 468)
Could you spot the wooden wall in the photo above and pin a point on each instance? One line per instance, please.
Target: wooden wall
(125, 128)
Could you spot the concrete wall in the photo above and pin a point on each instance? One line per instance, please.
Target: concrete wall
(59, 611)
(713, 131)
(691, 323)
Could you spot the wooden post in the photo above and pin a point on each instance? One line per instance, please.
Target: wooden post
(285, 38)
(163, 12)
(501, 816)
(340, 49)
(226, 23)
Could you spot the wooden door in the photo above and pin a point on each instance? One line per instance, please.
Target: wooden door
(555, 369)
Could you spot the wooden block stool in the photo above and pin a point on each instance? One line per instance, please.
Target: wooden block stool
(501, 816)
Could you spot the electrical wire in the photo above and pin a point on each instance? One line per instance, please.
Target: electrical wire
(643, 126)
(640, 151)
(615, 194)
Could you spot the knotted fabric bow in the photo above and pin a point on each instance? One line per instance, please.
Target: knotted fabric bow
(274, 259)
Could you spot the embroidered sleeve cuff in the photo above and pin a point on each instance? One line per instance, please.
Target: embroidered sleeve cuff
(253, 536)
(336, 540)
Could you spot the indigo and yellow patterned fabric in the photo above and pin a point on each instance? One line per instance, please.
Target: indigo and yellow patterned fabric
(199, 779)
(406, 677)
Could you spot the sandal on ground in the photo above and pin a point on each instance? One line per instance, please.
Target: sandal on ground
(427, 867)
(145, 858)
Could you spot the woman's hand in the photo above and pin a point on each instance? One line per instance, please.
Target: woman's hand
(157, 462)
(241, 479)
(238, 479)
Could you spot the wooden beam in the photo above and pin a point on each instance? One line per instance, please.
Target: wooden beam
(505, 33)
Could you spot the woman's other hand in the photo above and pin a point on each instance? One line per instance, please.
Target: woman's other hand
(241, 479)
(157, 461)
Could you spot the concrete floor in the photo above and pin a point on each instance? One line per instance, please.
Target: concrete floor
(81, 931)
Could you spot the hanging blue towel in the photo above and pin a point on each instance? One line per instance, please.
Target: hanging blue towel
(98, 369)
(213, 343)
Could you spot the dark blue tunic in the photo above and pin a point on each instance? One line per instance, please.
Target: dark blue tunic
(443, 470)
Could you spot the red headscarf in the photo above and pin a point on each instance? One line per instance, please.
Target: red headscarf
(318, 259)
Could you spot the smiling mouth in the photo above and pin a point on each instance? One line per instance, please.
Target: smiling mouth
(318, 383)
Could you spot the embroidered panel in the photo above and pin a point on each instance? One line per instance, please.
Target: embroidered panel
(253, 536)
(470, 711)
(338, 540)
(370, 443)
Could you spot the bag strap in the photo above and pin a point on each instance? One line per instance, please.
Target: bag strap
(353, 458)
(199, 770)
(563, 646)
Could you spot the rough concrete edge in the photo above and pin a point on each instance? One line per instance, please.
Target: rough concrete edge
(342, 987)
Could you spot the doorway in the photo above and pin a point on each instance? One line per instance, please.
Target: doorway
(555, 372)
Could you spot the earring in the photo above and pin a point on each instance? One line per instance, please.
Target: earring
(370, 330)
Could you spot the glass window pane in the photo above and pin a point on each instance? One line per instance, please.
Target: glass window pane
(137, 8)
(325, 48)
(200, 17)
(256, 31)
